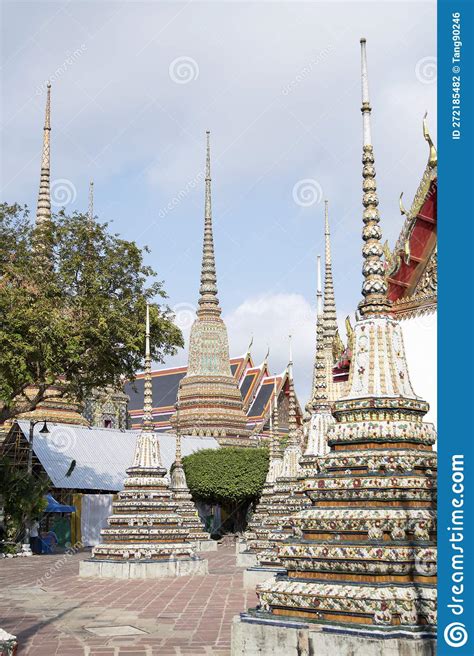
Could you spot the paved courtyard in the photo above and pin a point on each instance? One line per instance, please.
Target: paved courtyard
(55, 613)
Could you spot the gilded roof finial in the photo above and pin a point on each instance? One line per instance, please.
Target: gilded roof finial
(208, 301)
(249, 347)
(43, 210)
(374, 287)
(265, 359)
(91, 201)
(401, 206)
(433, 158)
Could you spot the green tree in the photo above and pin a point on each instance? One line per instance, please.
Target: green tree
(23, 498)
(230, 476)
(72, 306)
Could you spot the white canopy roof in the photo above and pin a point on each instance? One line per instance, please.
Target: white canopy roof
(102, 454)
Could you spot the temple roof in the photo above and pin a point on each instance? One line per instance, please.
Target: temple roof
(256, 385)
(412, 281)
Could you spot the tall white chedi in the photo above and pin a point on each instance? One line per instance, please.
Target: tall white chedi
(366, 557)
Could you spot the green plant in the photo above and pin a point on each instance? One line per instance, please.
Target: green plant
(229, 475)
(72, 302)
(23, 497)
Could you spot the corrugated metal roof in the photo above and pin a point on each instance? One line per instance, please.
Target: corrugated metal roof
(102, 454)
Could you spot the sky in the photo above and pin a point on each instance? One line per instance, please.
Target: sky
(135, 85)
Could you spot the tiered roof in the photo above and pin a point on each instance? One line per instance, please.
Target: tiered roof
(412, 274)
(255, 382)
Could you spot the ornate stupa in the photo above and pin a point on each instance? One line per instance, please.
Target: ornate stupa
(261, 523)
(332, 340)
(145, 536)
(318, 414)
(210, 400)
(363, 573)
(319, 407)
(283, 502)
(186, 509)
(55, 406)
(286, 498)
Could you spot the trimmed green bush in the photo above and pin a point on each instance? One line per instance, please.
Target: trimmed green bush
(227, 475)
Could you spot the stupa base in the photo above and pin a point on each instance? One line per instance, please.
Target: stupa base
(142, 569)
(246, 559)
(253, 576)
(263, 634)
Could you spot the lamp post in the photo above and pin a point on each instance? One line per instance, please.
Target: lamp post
(44, 431)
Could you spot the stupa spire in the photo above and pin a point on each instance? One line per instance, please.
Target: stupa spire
(319, 406)
(374, 287)
(43, 209)
(91, 202)
(320, 386)
(178, 438)
(208, 301)
(292, 423)
(210, 399)
(274, 413)
(330, 316)
(147, 450)
(148, 393)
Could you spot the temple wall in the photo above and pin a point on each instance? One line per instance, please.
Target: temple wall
(420, 338)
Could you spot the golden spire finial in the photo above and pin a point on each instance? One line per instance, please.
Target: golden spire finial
(374, 287)
(433, 157)
(43, 210)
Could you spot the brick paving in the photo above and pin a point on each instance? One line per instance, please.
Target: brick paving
(50, 609)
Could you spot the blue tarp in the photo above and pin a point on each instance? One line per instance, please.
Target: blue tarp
(55, 506)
